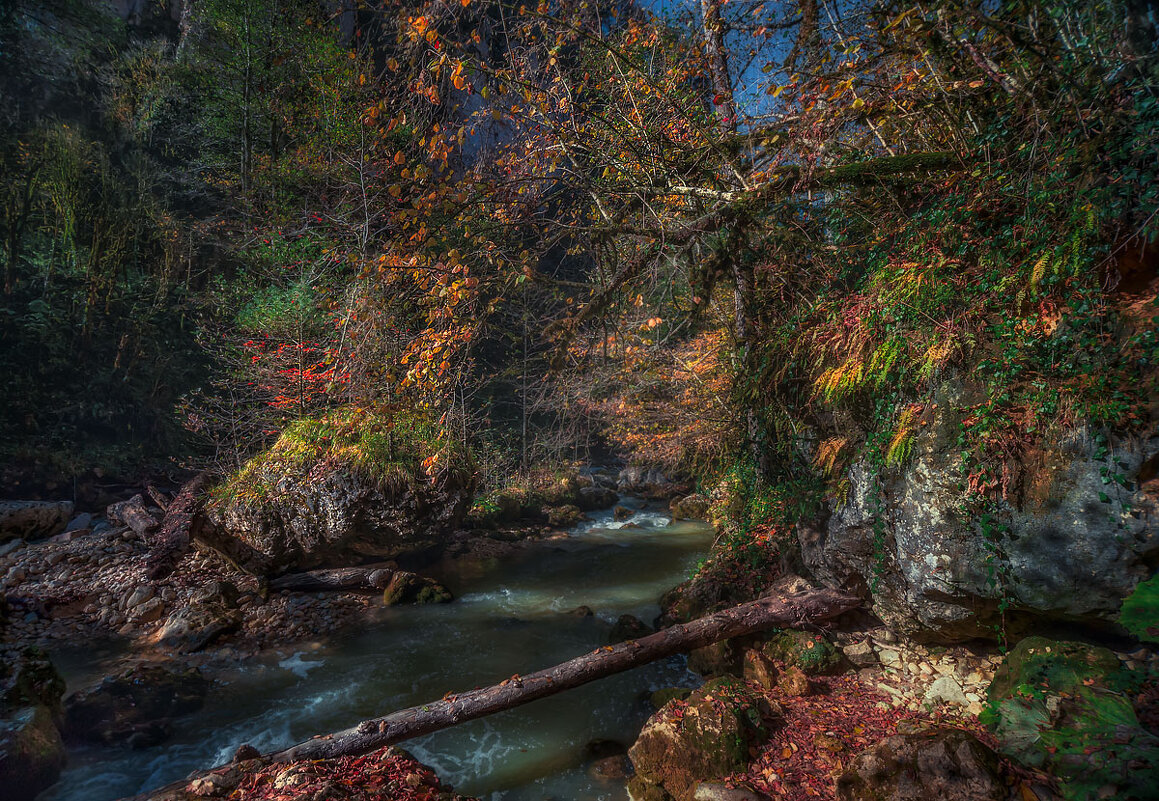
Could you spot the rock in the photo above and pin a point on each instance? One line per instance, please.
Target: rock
(211, 614)
(930, 576)
(812, 653)
(644, 481)
(888, 657)
(617, 768)
(704, 738)
(861, 654)
(794, 683)
(622, 513)
(79, 523)
(718, 659)
(945, 690)
(149, 612)
(759, 669)
(136, 707)
(564, 516)
(29, 520)
(689, 507)
(593, 498)
(628, 627)
(662, 697)
(412, 588)
(714, 791)
(139, 595)
(307, 502)
(1062, 707)
(582, 611)
(946, 764)
(31, 750)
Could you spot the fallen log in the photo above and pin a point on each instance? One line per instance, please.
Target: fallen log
(132, 513)
(368, 577)
(171, 541)
(788, 610)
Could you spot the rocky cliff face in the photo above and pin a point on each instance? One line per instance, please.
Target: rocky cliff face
(1071, 536)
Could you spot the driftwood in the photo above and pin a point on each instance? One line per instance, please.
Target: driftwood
(159, 497)
(369, 735)
(368, 577)
(171, 541)
(132, 513)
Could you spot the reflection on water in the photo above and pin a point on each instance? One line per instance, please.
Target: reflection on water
(511, 616)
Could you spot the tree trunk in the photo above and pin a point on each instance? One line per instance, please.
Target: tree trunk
(712, 23)
(749, 618)
(133, 514)
(172, 540)
(369, 577)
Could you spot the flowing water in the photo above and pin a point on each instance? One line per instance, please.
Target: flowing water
(511, 616)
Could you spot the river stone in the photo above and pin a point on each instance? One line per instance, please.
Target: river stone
(689, 507)
(593, 498)
(564, 516)
(943, 764)
(706, 737)
(628, 627)
(1078, 515)
(30, 520)
(135, 707)
(1064, 707)
(644, 481)
(946, 690)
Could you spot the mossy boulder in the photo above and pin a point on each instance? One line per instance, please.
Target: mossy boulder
(411, 588)
(813, 654)
(707, 736)
(347, 486)
(662, 697)
(690, 507)
(943, 764)
(1065, 707)
(564, 516)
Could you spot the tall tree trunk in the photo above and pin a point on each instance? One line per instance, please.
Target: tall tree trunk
(712, 22)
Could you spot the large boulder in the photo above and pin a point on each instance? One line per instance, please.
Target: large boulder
(946, 764)
(135, 707)
(690, 507)
(33, 519)
(348, 487)
(813, 654)
(1065, 707)
(1075, 515)
(706, 737)
(31, 750)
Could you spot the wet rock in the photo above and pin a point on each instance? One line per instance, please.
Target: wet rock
(628, 627)
(612, 768)
(704, 738)
(1064, 707)
(411, 588)
(689, 507)
(644, 481)
(136, 707)
(29, 520)
(946, 764)
(1078, 517)
(564, 516)
(593, 498)
(622, 513)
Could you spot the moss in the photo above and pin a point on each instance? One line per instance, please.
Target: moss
(1140, 612)
(1065, 707)
(813, 654)
(385, 447)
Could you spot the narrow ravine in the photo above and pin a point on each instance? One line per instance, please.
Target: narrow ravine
(511, 616)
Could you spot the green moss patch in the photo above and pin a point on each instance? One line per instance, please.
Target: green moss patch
(1140, 612)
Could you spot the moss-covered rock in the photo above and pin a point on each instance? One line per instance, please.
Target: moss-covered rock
(813, 654)
(1065, 707)
(31, 750)
(721, 658)
(708, 736)
(348, 485)
(690, 507)
(405, 588)
(662, 697)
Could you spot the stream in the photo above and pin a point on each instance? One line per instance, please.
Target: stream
(509, 616)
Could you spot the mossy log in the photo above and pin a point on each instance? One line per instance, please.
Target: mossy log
(765, 613)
